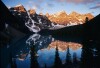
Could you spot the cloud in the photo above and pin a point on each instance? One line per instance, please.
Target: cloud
(81, 1)
(61, 0)
(96, 7)
(40, 1)
(32, 5)
(78, 1)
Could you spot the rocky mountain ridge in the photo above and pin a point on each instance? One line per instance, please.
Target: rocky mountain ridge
(30, 18)
(64, 19)
(60, 17)
(35, 22)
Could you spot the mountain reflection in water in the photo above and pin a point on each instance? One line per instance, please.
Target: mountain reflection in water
(47, 52)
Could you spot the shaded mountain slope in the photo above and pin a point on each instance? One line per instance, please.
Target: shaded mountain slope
(92, 28)
(7, 17)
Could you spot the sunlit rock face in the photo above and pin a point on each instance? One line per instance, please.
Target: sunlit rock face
(73, 18)
(62, 46)
(32, 11)
(19, 8)
(20, 13)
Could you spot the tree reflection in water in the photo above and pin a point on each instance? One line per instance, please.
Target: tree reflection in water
(73, 61)
(52, 53)
(68, 58)
(34, 62)
(90, 55)
(57, 63)
(59, 46)
(12, 62)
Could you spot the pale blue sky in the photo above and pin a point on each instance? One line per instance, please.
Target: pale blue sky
(53, 6)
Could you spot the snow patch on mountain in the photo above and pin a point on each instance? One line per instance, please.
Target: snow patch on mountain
(57, 26)
(32, 39)
(39, 41)
(31, 25)
(19, 5)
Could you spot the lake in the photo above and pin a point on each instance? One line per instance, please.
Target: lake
(45, 51)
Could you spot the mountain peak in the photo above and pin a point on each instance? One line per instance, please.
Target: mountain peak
(20, 8)
(19, 5)
(61, 12)
(40, 13)
(47, 14)
(32, 11)
(74, 13)
(89, 15)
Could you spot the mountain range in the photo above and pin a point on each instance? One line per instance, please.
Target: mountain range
(64, 19)
(13, 22)
(35, 22)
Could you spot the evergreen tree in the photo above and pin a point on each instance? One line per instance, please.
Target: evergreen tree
(86, 19)
(34, 62)
(13, 61)
(57, 63)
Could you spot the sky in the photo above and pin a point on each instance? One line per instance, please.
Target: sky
(53, 6)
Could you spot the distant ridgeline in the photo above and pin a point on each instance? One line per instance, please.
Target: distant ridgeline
(24, 22)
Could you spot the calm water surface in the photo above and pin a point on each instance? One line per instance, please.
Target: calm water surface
(42, 51)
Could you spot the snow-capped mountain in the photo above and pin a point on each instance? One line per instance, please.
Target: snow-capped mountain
(35, 22)
(30, 18)
(19, 12)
